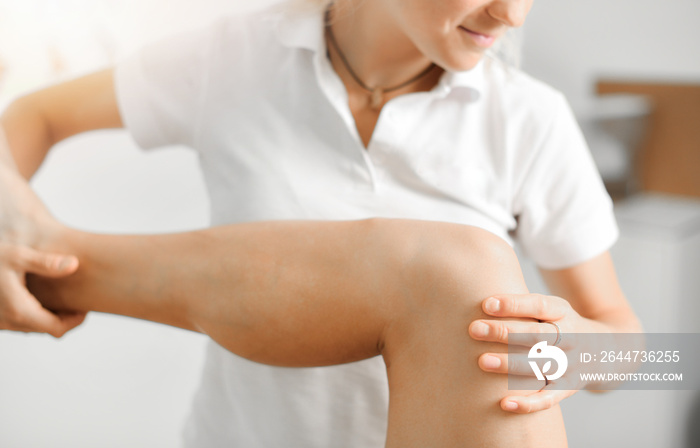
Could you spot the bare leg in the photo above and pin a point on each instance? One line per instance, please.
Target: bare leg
(438, 395)
(303, 294)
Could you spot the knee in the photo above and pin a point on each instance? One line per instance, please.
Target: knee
(459, 266)
(449, 270)
(431, 360)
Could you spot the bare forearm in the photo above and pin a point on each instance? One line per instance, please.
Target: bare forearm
(27, 136)
(34, 123)
(622, 320)
(594, 292)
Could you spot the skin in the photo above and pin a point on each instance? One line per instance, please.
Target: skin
(321, 293)
(387, 42)
(19, 220)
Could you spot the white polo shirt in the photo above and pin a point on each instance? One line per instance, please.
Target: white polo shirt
(258, 100)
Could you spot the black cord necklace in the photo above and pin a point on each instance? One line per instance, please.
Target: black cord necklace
(376, 97)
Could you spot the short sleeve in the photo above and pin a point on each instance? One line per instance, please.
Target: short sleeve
(159, 88)
(564, 214)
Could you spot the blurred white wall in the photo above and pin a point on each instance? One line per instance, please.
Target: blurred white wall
(42, 41)
(569, 43)
(118, 382)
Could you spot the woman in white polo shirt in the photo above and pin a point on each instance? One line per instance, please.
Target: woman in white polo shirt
(390, 109)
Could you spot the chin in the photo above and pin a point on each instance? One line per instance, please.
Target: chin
(461, 63)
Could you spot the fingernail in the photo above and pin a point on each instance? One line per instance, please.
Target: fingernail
(493, 305)
(480, 329)
(510, 405)
(491, 362)
(65, 263)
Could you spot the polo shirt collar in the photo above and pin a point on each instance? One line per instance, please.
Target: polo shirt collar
(305, 30)
(469, 81)
(301, 30)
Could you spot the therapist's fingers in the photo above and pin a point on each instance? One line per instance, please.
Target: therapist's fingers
(23, 312)
(19, 309)
(506, 363)
(535, 306)
(539, 401)
(70, 320)
(529, 333)
(41, 263)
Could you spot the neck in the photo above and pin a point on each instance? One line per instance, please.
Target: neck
(376, 48)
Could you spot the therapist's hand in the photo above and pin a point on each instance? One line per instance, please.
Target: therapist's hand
(536, 306)
(25, 225)
(596, 305)
(19, 310)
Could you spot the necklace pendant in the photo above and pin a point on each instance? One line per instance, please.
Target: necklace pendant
(376, 98)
